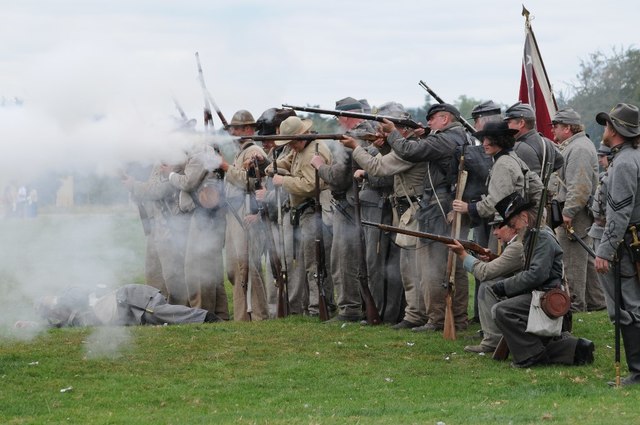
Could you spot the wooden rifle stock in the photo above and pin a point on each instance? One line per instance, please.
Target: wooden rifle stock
(246, 282)
(468, 245)
(405, 122)
(438, 99)
(323, 308)
(502, 350)
(373, 317)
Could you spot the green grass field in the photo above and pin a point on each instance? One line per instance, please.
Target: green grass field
(291, 371)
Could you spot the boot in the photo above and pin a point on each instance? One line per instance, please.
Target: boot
(631, 339)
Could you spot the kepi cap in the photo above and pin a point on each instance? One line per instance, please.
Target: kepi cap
(519, 110)
(567, 116)
(443, 107)
(485, 109)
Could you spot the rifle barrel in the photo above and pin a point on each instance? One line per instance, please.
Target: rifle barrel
(406, 122)
(470, 245)
(438, 99)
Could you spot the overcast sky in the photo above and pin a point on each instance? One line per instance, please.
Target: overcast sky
(122, 60)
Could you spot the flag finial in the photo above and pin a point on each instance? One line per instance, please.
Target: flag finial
(526, 14)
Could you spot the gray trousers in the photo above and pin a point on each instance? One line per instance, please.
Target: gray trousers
(511, 316)
(415, 311)
(170, 241)
(204, 271)
(486, 300)
(345, 263)
(630, 307)
(303, 287)
(383, 263)
(132, 297)
(586, 291)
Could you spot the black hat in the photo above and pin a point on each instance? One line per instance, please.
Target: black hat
(519, 110)
(443, 107)
(496, 129)
(624, 118)
(512, 205)
(485, 109)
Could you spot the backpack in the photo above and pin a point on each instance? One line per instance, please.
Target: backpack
(477, 165)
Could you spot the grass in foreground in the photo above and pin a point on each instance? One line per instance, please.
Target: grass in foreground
(297, 371)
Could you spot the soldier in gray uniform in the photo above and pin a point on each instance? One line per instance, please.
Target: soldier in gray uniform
(438, 151)
(345, 248)
(127, 306)
(408, 186)
(622, 135)
(530, 146)
(598, 205)
(577, 179)
(168, 233)
(545, 273)
(509, 262)
(204, 273)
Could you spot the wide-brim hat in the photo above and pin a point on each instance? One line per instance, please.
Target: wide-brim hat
(293, 126)
(496, 129)
(624, 118)
(242, 118)
(512, 205)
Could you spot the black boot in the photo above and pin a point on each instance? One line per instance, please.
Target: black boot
(211, 318)
(584, 352)
(631, 339)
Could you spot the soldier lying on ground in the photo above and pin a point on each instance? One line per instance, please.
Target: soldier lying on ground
(128, 305)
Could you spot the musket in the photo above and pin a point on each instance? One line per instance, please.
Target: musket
(369, 137)
(438, 99)
(405, 122)
(320, 254)
(208, 117)
(208, 99)
(279, 276)
(617, 299)
(449, 331)
(246, 277)
(468, 245)
(373, 317)
(183, 115)
(548, 169)
(285, 269)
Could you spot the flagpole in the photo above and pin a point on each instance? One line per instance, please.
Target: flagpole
(527, 25)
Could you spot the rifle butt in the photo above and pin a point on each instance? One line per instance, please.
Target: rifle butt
(502, 350)
(449, 331)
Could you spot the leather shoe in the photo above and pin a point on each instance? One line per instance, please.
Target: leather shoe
(344, 318)
(632, 379)
(428, 328)
(405, 324)
(584, 352)
(479, 349)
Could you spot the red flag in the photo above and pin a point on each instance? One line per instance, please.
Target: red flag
(535, 88)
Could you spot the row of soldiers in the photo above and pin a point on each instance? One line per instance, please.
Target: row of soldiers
(407, 177)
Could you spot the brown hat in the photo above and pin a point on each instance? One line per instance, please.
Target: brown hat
(624, 118)
(242, 118)
(567, 116)
(293, 126)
